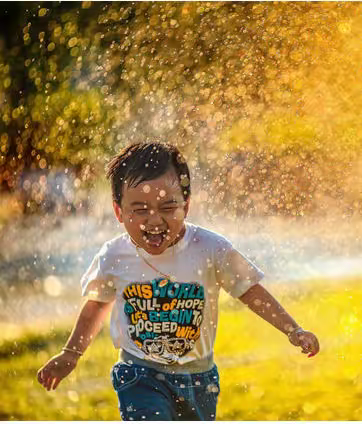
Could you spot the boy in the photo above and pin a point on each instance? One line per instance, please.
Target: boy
(162, 280)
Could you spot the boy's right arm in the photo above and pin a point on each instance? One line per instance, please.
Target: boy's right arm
(88, 324)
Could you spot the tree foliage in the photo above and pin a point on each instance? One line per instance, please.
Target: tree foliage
(271, 84)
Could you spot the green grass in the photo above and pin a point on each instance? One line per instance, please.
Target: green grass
(263, 376)
(270, 379)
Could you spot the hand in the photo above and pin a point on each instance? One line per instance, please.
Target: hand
(56, 369)
(307, 340)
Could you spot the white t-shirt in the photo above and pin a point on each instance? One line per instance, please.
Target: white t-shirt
(169, 321)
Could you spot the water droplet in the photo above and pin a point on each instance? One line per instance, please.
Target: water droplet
(52, 286)
(212, 388)
(73, 396)
(160, 377)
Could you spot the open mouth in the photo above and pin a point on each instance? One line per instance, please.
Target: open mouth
(154, 238)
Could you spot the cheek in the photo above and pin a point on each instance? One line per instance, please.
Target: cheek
(134, 223)
(130, 218)
(179, 215)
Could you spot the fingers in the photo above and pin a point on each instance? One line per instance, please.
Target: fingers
(307, 341)
(314, 350)
(56, 382)
(43, 377)
(48, 383)
(46, 379)
(306, 348)
(53, 372)
(309, 345)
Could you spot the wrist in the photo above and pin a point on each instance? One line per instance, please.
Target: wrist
(295, 331)
(73, 352)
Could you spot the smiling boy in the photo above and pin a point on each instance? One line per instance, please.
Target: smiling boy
(162, 278)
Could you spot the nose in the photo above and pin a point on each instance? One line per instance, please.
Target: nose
(154, 218)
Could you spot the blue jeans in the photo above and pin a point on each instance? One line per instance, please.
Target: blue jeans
(147, 394)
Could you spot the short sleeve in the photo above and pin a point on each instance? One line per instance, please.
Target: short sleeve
(234, 271)
(96, 283)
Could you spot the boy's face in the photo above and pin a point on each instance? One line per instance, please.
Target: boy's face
(153, 212)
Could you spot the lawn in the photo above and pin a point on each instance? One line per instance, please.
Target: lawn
(263, 376)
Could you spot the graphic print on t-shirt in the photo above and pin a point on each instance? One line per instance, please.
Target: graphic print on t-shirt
(164, 317)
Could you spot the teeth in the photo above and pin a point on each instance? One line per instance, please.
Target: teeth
(155, 232)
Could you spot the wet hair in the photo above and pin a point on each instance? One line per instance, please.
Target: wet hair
(140, 162)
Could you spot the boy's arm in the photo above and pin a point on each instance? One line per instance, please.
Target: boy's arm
(87, 326)
(260, 301)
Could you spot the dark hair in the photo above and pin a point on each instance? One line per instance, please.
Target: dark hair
(146, 161)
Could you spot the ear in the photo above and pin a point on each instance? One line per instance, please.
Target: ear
(118, 212)
(187, 206)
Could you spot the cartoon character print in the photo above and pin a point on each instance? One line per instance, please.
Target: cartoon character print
(164, 317)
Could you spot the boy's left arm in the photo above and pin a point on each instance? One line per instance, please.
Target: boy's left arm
(260, 301)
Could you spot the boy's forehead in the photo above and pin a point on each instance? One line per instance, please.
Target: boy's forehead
(165, 185)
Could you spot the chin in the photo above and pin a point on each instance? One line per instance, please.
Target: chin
(155, 250)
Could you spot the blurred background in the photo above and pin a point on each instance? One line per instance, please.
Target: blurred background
(263, 99)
